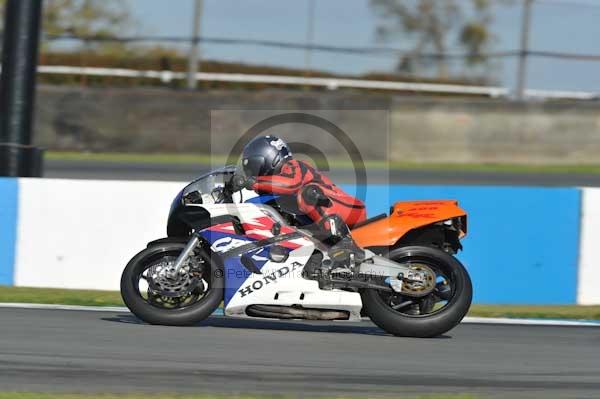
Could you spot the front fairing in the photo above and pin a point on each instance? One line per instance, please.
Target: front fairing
(206, 183)
(177, 202)
(182, 217)
(175, 226)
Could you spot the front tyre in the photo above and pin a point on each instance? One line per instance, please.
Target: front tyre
(186, 300)
(430, 315)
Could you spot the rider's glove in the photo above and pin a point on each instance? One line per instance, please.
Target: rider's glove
(239, 182)
(249, 183)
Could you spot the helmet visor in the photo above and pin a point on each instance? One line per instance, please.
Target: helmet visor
(254, 166)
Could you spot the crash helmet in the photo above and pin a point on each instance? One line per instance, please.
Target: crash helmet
(264, 156)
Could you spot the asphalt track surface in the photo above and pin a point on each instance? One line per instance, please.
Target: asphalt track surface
(187, 172)
(82, 351)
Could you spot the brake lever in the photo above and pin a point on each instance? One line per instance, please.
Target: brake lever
(218, 195)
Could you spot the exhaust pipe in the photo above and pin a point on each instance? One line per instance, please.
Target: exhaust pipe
(295, 312)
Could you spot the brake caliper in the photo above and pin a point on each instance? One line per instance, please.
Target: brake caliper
(419, 281)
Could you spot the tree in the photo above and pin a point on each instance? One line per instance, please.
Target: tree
(475, 35)
(430, 24)
(96, 18)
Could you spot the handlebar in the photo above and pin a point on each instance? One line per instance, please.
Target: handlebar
(232, 186)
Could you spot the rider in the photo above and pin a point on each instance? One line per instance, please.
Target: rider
(270, 168)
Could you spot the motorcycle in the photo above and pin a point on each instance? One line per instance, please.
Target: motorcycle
(261, 257)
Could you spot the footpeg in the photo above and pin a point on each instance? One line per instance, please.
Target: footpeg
(346, 252)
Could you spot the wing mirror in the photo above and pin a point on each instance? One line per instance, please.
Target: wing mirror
(276, 229)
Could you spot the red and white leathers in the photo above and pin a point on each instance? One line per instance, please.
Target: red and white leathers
(295, 175)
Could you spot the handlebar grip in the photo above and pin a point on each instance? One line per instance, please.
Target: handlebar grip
(238, 182)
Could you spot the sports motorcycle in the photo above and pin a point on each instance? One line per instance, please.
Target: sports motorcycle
(261, 257)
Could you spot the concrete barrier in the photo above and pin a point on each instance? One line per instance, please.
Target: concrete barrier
(81, 233)
(589, 263)
(419, 129)
(523, 246)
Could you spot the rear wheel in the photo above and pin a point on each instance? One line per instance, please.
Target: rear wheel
(423, 316)
(183, 300)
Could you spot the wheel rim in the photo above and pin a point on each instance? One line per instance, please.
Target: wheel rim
(442, 296)
(190, 288)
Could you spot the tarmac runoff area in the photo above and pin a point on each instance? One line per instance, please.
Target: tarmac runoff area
(49, 348)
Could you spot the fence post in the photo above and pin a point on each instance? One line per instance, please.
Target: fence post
(194, 56)
(310, 32)
(524, 53)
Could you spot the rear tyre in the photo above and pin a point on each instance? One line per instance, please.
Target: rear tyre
(181, 305)
(428, 316)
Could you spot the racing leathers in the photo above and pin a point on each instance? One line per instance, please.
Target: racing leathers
(299, 178)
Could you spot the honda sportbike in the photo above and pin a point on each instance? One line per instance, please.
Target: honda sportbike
(258, 256)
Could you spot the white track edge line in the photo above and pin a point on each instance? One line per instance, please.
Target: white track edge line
(530, 322)
(43, 306)
(467, 320)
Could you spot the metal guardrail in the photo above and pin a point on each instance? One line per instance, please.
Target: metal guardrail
(329, 83)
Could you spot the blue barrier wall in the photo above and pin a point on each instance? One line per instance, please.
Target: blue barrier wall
(522, 245)
(8, 229)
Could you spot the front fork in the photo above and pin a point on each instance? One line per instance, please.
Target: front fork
(183, 256)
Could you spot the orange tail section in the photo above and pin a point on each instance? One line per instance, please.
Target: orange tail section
(405, 217)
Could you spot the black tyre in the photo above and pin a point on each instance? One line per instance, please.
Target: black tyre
(430, 315)
(186, 302)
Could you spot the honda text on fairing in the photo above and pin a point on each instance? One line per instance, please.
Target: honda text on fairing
(260, 257)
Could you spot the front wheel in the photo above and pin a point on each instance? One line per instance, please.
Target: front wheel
(157, 298)
(423, 316)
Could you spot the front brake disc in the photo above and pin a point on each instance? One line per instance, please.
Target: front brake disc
(182, 285)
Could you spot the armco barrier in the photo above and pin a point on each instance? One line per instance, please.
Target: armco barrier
(523, 244)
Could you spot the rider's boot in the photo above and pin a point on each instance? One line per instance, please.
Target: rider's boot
(346, 251)
(344, 254)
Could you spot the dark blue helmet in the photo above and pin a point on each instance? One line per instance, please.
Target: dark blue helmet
(264, 156)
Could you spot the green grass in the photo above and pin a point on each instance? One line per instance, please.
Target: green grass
(579, 312)
(31, 395)
(60, 296)
(113, 298)
(205, 159)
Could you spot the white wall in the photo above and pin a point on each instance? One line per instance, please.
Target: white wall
(588, 292)
(82, 233)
